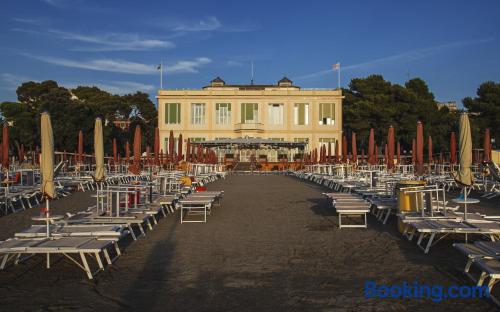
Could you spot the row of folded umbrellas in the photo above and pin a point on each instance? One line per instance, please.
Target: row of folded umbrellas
(324, 154)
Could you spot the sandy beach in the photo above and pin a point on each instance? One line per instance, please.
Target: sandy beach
(274, 245)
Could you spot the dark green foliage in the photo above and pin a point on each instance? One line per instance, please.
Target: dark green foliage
(372, 102)
(485, 111)
(74, 110)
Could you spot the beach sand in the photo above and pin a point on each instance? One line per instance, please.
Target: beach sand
(274, 245)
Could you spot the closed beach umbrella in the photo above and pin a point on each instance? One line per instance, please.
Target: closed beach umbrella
(337, 156)
(171, 145)
(465, 151)
(127, 152)
(161, 157)
(386, 155)
(486, 146)
(354, 148)
(137, 145)
(115, 152)
(453, 149)
(329, 151)
(179, 148)
(371, 147)
(80, 146)
(47, 164)
(420, 148)
(429, 147)
(188, 151)
(98, 150)
(156, 146)
(344, 149)
(390, 148)
(5, 147)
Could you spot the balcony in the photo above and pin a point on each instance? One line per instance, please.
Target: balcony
(241, 127)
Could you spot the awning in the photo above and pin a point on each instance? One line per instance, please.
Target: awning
(251, 143)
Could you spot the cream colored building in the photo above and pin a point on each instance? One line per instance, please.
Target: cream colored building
(281, 112)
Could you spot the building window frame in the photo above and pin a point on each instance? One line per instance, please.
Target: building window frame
(301, 118)
(198, 113)
(223, 113)
(172, 113)
(326, 114)
(249, 109)
(275, 112)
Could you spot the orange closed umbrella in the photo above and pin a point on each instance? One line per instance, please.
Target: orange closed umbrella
(171, 145)
(137, 145)
(80, 146)
(354, 148)
(390, 148)
(115, 152)
(156, 146)
(371, 147)
(453, 149)
(344, 149)
(487, 146)
(127, 152)
(179, 148)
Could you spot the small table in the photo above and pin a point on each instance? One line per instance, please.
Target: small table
(465, 201)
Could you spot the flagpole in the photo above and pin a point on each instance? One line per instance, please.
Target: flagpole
(161, 74)
(338, 73)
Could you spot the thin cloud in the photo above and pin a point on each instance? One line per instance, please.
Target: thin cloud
(30, 21)
(404, 57)
(187, 66)
(104, 42)
(109, 65)
(209, 24)
(233, 63)
(122, 66)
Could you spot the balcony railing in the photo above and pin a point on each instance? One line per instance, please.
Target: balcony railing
(249, 127)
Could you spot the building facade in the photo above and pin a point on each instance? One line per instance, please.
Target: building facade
(282, 112)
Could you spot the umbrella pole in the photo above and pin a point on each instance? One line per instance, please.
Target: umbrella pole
(48, 227)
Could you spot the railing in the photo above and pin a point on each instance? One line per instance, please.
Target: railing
(249, 127)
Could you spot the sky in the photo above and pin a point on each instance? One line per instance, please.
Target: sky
(117, 45)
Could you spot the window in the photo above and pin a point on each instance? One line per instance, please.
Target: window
(327, 114)
(301, 114)
(325, 141)
(198, 139)
(275, 114)
(223, 113)
(300, 140)
(277, 139)
(198, 113)
(172, 113)
(249, 113)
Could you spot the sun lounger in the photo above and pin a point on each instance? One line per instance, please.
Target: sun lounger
(431, 228)
(61, 230)
(70, 247)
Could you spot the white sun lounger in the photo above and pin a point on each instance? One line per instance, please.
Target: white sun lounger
(70, 247)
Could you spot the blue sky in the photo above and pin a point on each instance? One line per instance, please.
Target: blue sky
(116, 45)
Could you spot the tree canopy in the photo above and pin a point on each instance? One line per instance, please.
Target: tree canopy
(72, 110)
(373, 102)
